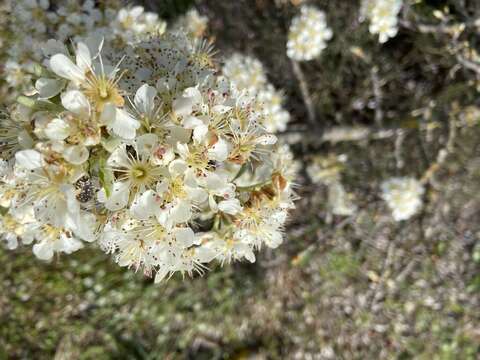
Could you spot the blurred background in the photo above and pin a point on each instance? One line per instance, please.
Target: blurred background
(358, 285)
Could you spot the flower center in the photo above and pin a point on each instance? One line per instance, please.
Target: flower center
(102, 90)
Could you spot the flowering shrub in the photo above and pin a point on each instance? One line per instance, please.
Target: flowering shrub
(131, 137)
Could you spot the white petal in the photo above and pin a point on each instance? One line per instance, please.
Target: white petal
(76, 154)
(124, 125)
(76, 102)
(119, 157)
(136, 11)
(230, 206)
(146, 143)
(68, 244)
(29, 159)
(181, 213)
(200, 132)
(184, 236)
(197, 195)
(145, 99)
(193, 93)
(43, 250)
(204, 254)
(274, 240)
(219, 151)
(182, 106)
(191, 122)
(145, 205)
(84, 226)
(177, 167)
(118, 199)
(214, 181)
(268, 139)
(57, 129)
(83, 58)
(65, 68)
(107, 116)
(48, 88)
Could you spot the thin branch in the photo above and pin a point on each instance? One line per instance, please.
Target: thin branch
(307, 99)
(340, 134)
(468, 64)
(378, 95)
(401, 134)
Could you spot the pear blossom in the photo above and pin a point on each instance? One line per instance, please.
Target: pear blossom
(403, 196)
(146, 150)
(308, 34)
(192, 23)
(383, 17)
(248, 74)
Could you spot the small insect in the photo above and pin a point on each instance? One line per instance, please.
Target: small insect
(85, 189)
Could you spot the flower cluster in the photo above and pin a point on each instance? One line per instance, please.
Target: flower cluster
(308, 34)
(32, 22)
(192, 23)
(144, 150)
(248, 74)
(383, 17)
(403, 196)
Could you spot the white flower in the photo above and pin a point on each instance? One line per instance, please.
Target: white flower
(192, 23)
(383, 16)
(221, 193)
(51, 240)
(245, 72)
(133, 23)
(308, 34)
(403, 196)
(137, 172)
(64, 67)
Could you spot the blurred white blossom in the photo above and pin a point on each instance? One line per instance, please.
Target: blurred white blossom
(308, 34)
(383, 17)
(192, 23)
(248, 74)
(403, 196)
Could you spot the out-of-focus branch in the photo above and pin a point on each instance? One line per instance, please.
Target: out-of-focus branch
(453, 29)
(468, 64)
(401, 134)
(340, 134)
(442, 153)
(307, 99)
(378, 95)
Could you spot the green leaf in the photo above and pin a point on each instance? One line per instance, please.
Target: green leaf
(106, 177)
